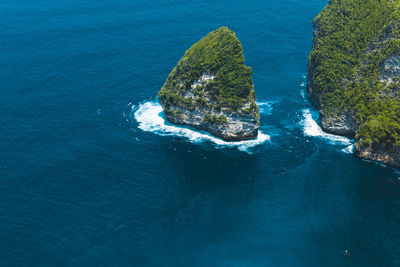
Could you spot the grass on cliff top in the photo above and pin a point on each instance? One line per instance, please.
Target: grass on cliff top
(354, 39)
(220, 53)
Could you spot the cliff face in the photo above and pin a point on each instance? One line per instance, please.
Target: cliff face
(354, 73)
(211, 89)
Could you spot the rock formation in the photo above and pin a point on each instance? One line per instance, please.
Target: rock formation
(211, 89)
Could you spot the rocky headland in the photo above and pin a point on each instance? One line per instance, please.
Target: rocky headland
(354, 73)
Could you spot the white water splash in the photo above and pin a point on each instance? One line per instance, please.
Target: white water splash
(349, 149)
(311, 128)
(265, 107)
(150, 119)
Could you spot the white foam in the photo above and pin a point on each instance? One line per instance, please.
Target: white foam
(349, 149)
(150, 117)
(311, 128)
(265, 107)
(303, 95)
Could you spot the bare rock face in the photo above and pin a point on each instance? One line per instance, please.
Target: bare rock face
(344, 124)
(378, 153)
(211, 89)
(236, 127)
(391, 69)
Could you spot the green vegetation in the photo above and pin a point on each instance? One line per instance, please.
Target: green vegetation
(219, 54)
(215, 120)
(252, 109)
(174, 113)
(353, 40)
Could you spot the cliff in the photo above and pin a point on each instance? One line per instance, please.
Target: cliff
(211, 89)
(354, 72)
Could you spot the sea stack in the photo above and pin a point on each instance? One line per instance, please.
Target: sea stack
(212, 90)
(354, 75)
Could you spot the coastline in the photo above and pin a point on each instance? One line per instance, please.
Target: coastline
(377, 154)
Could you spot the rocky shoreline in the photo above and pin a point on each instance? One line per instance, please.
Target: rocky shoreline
(347, 121)
(346, 126)
(238, 127)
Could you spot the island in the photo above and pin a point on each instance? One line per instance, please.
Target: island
(353, 75)
(211, 89)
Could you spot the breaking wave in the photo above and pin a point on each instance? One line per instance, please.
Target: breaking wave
(150, 117)
(311, 128)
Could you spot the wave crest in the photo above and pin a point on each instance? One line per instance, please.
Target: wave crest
(311, 128)
(150, 119)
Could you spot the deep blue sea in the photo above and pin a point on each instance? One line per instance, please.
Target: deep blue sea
(92, 175)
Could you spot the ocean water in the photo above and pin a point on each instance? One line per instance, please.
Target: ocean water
(91, 174)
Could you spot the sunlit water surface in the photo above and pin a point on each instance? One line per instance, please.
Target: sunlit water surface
(91, 174)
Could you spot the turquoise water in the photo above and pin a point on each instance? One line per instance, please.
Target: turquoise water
(92, 175)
